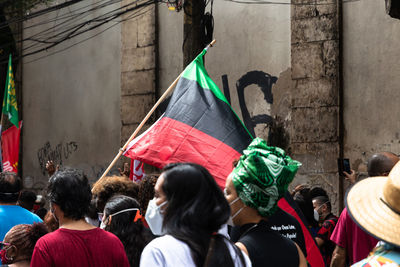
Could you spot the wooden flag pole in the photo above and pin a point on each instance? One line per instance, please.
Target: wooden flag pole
(166, 93)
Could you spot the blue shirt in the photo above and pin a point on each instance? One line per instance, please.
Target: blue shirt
(11, 215)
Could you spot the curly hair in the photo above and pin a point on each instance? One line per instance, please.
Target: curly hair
(24, 237)
(133, 235)
(108, 186)
(70, 189)
(146, 190)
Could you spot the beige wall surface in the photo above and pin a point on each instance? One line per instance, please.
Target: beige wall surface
(252, 51)
(371, 81)
(71, 100)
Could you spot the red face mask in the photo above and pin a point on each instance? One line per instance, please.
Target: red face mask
(4, 258)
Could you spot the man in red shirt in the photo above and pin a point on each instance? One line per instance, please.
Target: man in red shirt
(75, 243)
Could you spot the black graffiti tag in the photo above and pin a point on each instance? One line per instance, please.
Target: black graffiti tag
(264, 81)
(57, 154)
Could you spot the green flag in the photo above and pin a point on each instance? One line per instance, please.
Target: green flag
(10, 107)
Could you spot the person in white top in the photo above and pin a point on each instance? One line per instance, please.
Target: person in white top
(188, 209)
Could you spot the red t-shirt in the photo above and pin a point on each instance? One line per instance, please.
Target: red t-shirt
(65, 247)
(348, 235)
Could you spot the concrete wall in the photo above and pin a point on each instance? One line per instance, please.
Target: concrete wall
(71, 101)
(138, 70)
(371, 81)
(313, 128)
(252, 51)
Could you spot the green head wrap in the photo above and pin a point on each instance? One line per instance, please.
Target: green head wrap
(263, 175)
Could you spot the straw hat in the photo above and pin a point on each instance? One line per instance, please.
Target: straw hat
(374, 204)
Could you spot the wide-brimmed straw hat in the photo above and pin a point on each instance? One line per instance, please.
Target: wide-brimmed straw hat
(374, 204)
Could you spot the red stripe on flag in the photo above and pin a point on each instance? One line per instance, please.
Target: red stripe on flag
(314, 256)
(172, 141)
(10, 148)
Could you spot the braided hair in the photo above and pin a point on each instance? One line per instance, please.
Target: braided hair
(24, 237)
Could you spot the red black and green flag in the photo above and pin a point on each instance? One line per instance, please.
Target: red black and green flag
(198, 126)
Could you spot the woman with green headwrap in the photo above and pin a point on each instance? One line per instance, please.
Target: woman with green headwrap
(252, 190)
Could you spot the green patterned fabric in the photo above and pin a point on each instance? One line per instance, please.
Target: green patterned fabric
(263, 175)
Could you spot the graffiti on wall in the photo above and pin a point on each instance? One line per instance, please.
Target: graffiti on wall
(57, 154)
(264, 81)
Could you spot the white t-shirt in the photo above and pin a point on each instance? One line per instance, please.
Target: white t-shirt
(169, 251)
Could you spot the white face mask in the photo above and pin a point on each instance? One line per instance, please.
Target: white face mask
(316, 215)
(230, 220)
(103, 225)
(154, 217)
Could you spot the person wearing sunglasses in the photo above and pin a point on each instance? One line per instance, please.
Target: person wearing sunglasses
(17, 248)
(122, 217)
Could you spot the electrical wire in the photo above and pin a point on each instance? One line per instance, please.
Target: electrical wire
(39, 13)
(73, 23)
(53, 30)
(261, 2)
(48, 35)
(88, 38)
(77, 31)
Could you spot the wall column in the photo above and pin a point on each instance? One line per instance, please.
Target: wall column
(138, 68)
(314, 134)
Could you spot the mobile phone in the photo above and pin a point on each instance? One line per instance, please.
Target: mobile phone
(344, 165)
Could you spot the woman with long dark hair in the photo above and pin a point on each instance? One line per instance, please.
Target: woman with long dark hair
(189, 208)
(122, 218)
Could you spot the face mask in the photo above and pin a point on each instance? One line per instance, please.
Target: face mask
(154, 217)
(4, 258)
(316, 215)
(230, 220)
(103, 225)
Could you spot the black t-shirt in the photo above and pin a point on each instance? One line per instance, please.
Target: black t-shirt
(287, 225)
(267, 247)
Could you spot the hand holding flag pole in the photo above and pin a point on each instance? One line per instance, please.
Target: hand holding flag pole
(166, 93)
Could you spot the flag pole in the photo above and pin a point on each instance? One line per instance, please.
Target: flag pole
(166, 93)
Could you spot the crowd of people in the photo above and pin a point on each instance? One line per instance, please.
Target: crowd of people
(181, 217)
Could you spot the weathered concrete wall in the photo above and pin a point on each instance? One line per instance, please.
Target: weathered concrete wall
(138, 72)
(252, 50)
(371, 81)
(138, 69)
(314, 99)
(71, 101)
